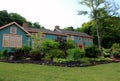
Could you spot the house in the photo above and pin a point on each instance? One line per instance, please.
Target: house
(14, 36)
(81, 39)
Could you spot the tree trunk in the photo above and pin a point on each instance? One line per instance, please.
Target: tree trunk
(99, 41)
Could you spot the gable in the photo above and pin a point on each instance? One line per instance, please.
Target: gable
(13, 28)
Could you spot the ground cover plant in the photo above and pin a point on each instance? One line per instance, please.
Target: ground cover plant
(35, 72)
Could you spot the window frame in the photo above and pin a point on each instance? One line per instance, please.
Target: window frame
(15, 41)
(3, 40)
(13, 30)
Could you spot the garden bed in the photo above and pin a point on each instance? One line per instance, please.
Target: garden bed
(65, 64)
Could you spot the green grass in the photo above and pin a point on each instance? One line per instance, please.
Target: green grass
(34, 72)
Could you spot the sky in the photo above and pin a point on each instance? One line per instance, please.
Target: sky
(48, 13)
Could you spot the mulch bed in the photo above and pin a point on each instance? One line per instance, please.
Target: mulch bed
(68, 64)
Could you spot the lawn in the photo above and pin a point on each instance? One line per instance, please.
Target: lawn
(34, 72)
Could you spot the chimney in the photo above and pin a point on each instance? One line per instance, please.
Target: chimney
(25, 25)
(57, 27)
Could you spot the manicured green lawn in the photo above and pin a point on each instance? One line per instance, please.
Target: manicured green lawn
(34, 72)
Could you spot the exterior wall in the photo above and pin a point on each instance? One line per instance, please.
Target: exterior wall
(87, 41)
(51, 36)
(18, 32)
(83, 41)
(64, 37)
(76, 39)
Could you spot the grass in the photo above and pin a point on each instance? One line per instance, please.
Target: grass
(34, 72)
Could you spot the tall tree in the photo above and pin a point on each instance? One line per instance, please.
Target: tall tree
(4, 18)
(109, 27)
(96, 11)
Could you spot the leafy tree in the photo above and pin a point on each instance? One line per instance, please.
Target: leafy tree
(109, 27)
(37, 39)
(4, 18)
(36, 25)
(17, 18)
(69, 28)
(97, 8)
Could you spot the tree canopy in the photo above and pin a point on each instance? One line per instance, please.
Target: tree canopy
(6, 18)
(109, 30)
(99, 10)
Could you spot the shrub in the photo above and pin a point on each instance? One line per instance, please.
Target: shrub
(59, 60)
(62, 42)
(49, 44)
(1, 54)
(92, 52)
(106, 52)
(105, 59)
(5, 53)
(69, 44)
(74, 54)
(35, 54)
(21, 53)
(116, 53)
(116, 50)
(55, 53)
(85, 60)
(115, 46)
(26, 48)
(18, 54)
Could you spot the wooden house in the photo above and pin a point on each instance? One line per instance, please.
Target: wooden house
(13, 35)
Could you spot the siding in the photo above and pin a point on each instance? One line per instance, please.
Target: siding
(51, 36)
(18, 32)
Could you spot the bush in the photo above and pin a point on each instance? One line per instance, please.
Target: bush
(92, 52)
(85, 60)
(5, 53)
(59, 60)
(49, 44)
(116, 53)
(74, 54)
(69, 44)
(26, 48)
(55, 53)
(116, 50)
(106, 52)
(1, 54)
(35, 54)
(18, 54)
(21, 53)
